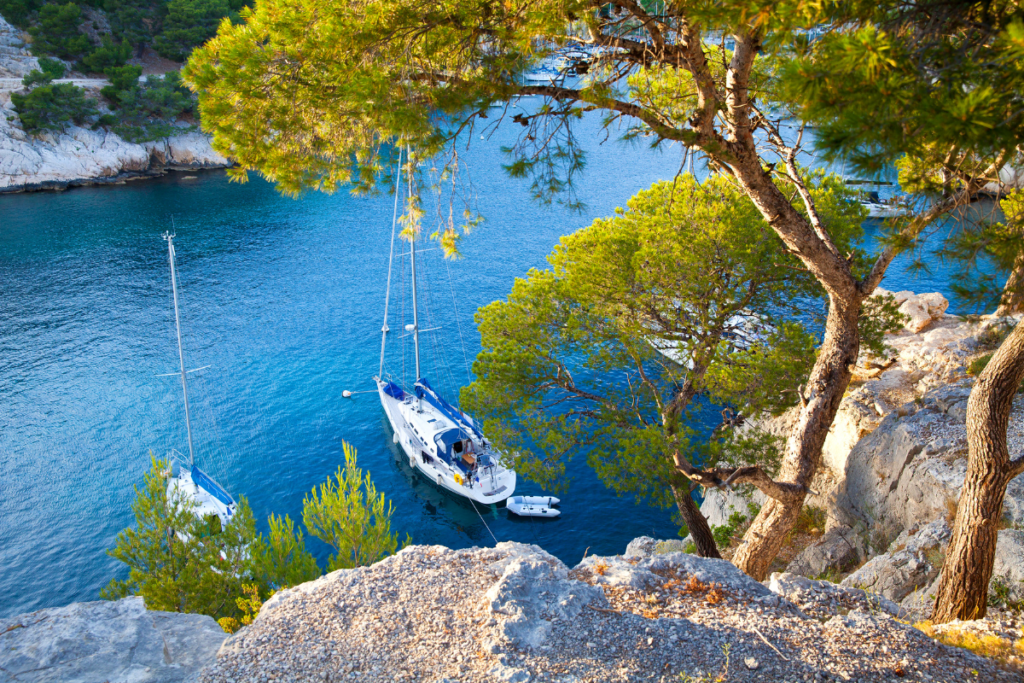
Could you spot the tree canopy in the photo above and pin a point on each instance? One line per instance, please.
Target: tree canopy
(685, 292)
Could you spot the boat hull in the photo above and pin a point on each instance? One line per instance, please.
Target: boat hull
(488, 486)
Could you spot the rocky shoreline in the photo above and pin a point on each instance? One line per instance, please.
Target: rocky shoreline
(80, 156)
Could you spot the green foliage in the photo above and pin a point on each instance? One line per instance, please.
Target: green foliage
(189, 23)
(17, 12)
(56, 32)
(53, 107)
(146, 110)
(174, 562)
(108, 54)
(49, 70)
(724, 533)
(349, 515)
(978, 364)
(880, 315)
(571, 362)
(250, 606)
(133, 20)
(999, 245)
(280, 559)
(889, 81)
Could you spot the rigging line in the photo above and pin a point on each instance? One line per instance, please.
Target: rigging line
(471, 502)
(458, 323)
(391, 258)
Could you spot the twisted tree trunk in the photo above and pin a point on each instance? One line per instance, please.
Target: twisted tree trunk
(820, 403)
(696, 522)
(963, 589)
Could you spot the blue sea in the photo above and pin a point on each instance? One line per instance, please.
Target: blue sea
(283, 299)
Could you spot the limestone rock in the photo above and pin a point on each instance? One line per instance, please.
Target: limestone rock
(718, 505)
(15, 59)
(837, 551)
(87, 642)
(825, 597)
(1008, 569)
(617, 571)
(921, 308)
(641, 547)
(912, 562)
(531, 592)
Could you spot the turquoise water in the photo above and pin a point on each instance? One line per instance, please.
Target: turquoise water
(283, 299)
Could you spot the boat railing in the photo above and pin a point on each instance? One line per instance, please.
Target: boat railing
(174, 456)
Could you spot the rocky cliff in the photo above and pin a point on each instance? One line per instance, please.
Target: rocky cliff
(80, 156)
(510, 614)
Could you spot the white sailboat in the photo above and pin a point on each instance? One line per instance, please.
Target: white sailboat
(209, 500)
(440, 441)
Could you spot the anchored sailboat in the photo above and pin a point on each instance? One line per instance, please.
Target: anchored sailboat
(209, 500)
(441, 442)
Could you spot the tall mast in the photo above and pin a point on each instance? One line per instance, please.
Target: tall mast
(415, 319)
(391, 259)
(181, 354)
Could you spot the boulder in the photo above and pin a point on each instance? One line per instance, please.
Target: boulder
(719, 506)
(641, 547)
(912, 562)
(87, 642)
(838, 551)
(922, 309)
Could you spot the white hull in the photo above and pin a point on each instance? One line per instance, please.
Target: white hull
(531, 506)
(201, 502)
(414, 433)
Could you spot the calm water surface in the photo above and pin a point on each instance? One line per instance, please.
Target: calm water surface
(283, 299)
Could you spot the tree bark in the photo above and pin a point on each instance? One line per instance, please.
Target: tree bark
(823, 394)
(963, 589)
(1013, 291)
(696, 522)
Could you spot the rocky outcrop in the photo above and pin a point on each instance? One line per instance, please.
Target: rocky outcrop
(80, 156)
(912, 562)
(840, 549)
(515, 613)
(118, 642)
(1008, 569)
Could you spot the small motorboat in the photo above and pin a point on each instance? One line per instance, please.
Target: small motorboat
(533, 506)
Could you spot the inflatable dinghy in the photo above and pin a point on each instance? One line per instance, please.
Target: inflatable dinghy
(533, 506)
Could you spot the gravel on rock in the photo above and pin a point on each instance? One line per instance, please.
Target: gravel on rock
(515, 613)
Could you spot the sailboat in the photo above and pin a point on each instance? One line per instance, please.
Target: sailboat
(442, 443)
(208, 500)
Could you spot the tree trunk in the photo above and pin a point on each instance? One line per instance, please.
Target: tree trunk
(963, 589)
(1013, 291)
(696, 522)
(821, 398)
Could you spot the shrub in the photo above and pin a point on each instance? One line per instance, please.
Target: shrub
(280, 558)
(145, 110)
(189, 23)
(107, 55)
(49, 70)
(17, 12)
(131, 20)
(56, 32)
(349, 515)
(203, 574)
(53, 107)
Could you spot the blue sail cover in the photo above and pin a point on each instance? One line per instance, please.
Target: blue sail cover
(203, 481)
(427, 393)
(394, 391)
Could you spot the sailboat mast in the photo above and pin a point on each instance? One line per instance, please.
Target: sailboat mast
(415, 319)
(181, 354)
(391, 259)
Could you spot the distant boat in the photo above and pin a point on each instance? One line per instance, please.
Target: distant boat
(209, 500)
(442, 443)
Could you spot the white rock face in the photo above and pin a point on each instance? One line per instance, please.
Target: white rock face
(15, 59)
(88, 642)
(820, 598)
(912, 562)
(1009, 565)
